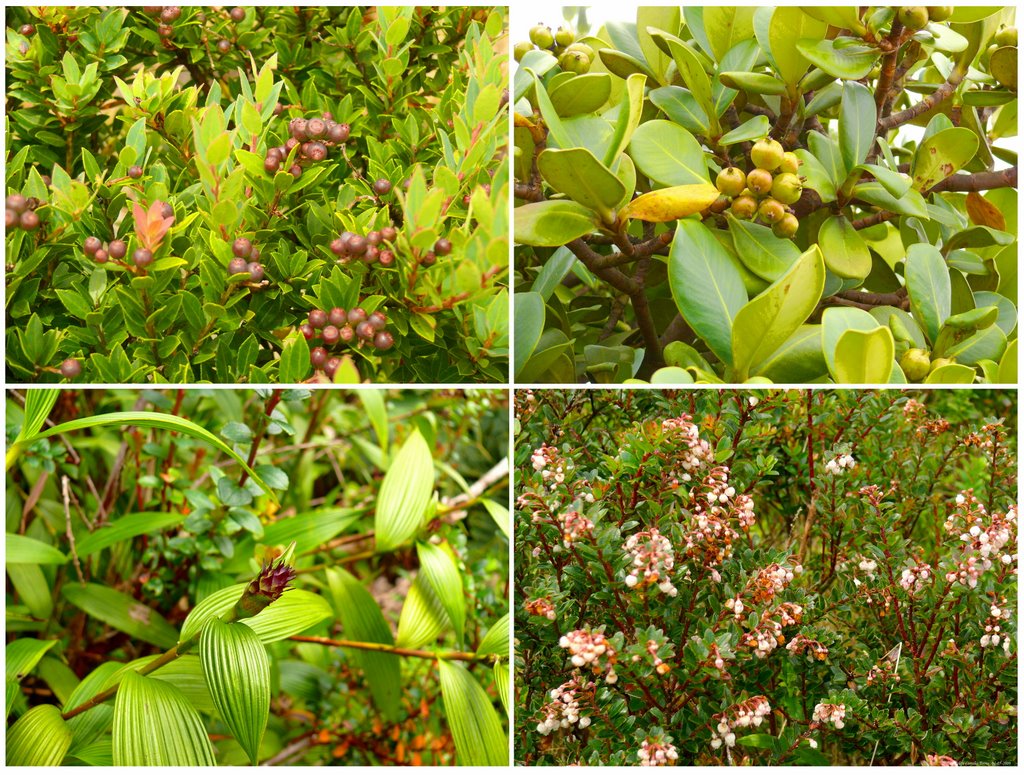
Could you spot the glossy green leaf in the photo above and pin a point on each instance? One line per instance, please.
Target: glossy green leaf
(440, 570)
(799, 359)
(874, 193)
(24, 550)
(423, 617)
(502, 679)
(857, 117)
(404, 494)
(726, 26)
(362, 620)
(846, 253)
(480, 739)
(552, 223)
(529, 325)
(556, 131)
(500, 514)
(578, 174)
(122, 612)
(942, 154)
(768, 320)
(671, 375)
(707, 288)
(496, 641)
(787, 26)
(751, 129)
(668, 154)
(40, 738)
(374, 404)
(124, 528)
(155, 726)
(295, 366)
(988, 344)
(835, 322)
(760, 250)
(22, 655)
(38, 404)
(681, 108)
(753, 83)
(630, 110)
(1008, 365)
(816, 177)
(929, 288)
(294, 612)
(843, 17)
(585, 93)
(864, 357)
(849, 62)
(696, 79)
(237, 671)
(90, 724)
(951, 374)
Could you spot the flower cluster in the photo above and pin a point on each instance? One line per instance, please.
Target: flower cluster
(916, 576)
(938, 760)
(868, 567)
(694, 452)
(710, 540)
(722, 500)
(652, 560)
(814, 650)
(830, 714)
(564, 710)
(983, 537)
(574, 526)
(994, 633)
(656, 753)
(767, 635)
(750, 713)
(542, 606)
(660, 665)
(840, 463)
(549, 464)
(593, 649)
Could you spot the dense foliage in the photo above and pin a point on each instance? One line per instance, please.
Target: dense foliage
(186, 184)
(800, 577)
(767, 194)
(219, 577)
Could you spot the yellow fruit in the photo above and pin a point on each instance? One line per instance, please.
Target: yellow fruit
(564, 37)
(744, 207)
(771, 210)
(939, 13)
(938, 363)
(731, 181)
(767, 154)
(913, 17)
(574, 62)
(787, 227)
(759, 181)
(790, 163)
(541, 36)
(787, 188)
(1007, 36)
(916, 364)
(522, 48)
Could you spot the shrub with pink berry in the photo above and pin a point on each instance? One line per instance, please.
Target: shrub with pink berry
(766, 577)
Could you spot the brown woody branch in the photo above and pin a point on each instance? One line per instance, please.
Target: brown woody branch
(942, 93)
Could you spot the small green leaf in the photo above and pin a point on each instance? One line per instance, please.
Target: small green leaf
(864, 357)
(552, 223)
(846, 253)
(751, 129)
(496, 641)
(438, 567)
(480, 739)
(40, 738)
(404, 494)
(122, 612)
(294, 612)
(929, 288)
(423, 617)
(849, 62)
(22, 549)
(295, 366)
(857, 118)
(578, 174)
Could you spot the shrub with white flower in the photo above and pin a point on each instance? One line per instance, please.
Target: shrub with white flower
(939, 760)
(915, 577)
(840, 464)
(656, 753)
(574, 526)
(826, 713)
(564, 710)
(652, 560)
(693, 453)
(984, 539)
(750, 713)
(812, 649)
(592, 650)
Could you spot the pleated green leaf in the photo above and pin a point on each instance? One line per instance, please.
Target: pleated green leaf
(480, 738)
(185, 673)
(237, 671)
(440, 570)
(33, 589)
(24, 550)
(22, 655)
(40, 738)
(502, 674)
(295, 611)
(89, 725)
(362, 620)
(154, 726)
(128, 526)
(38, 404)
(496, 639)
(404, 494)
(123, 613)
(423, 617)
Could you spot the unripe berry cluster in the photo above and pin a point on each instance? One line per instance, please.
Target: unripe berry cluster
(345, 326)
(652, 560)
(372, 248)
(246, 260)
(573, 57)
(116, 249)
(312, 137)
(766, 191)
(21, 213)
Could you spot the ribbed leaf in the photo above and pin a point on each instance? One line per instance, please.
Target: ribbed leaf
(89, 725)
(40, 738)
(24, 550)
(123, 613)
(33, 589)
(362, 620)
(128, 526)
(404, 494)
(38, 404)
(22, 655)
(423, 617)
(296, 610)
(500, 514)
(185, 673)
(502, 673)
(496, 639)
(154, 726)
(440, 570)
(98, 754)
(168, 422)
(377, 413)
(479, 736)
(237, 671)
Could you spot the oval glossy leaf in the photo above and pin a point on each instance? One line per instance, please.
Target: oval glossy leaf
(552, 223)
(989, 344)
(951, 374)
(929, 288)
(440, 570)
(480, 738)
(404, 494)
(581, 94)
(578, 174)
(850, 62)
(726, 26)
(155, 726)
(768, 320)
(798, 359)
(668, 154)
(122, 612)
(760, 250)
(237, 671)
(671, 375)
(874, 193)
(423, 617)
(942, 154)
(846, 253)
(1008, 365)
(755, 83)
(40, 738)
(836, 321)
(29, 551)
(707, 287)
(529, 325)
(681, 107)
(362, 620)
(694, 76)
(671, 204)
(294, 612)
(864, 357)
(1003, 66)
(816, 177)
(857, 117)
(630, 110)
(787, 26)
(752, 129)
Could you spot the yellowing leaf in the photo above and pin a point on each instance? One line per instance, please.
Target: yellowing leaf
(670, 204)
(983, 213)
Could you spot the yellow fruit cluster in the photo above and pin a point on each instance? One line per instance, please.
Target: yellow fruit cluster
(766, 190)
(573, 57)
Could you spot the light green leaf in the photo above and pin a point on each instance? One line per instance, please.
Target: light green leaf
(122, 612)
(798, 359)
(836, 321)
(578, 174)
(630, 110)
(40, 738)
(857, 118)
(552, 223)
(294, 612)
(864, 357)
(480, 739)
(726, 26)
(155, 726)
(38, 403)
(29, 551)
(929, 288)
(668, 154)
(849, 62)
(581, 94)
(529, 325)
(237, 671)
(500, 514)
(787, 26)
(760, 250)
(951, 374)
(768, 320)
(706, 286)
(423, 617)
(128, 526)
(751, 129)
(942, 154)
(438, 567)
(846, 253)
(1008, 365)
(22, 655)
(362, 620)
(377, 412)
(496, 641)
(295, 366)
(502, 679)
(404, 494)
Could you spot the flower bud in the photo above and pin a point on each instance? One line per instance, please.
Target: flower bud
(270, 583)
